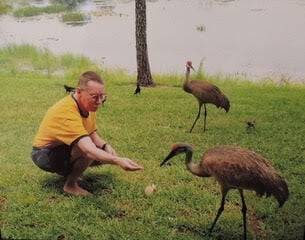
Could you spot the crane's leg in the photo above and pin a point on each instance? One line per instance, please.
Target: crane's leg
(205, 117)
(198, 115)
(220, 210)
(244, 211)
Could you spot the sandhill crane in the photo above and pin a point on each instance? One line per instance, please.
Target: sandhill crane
(204, 92)
(138, 90)
(235, 168)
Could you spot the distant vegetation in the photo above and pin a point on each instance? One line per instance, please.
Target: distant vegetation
(31, 61)
(74, 17)
(30, 11)
(5, 7)
(25, 9)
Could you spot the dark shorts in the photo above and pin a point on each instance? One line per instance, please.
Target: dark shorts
(55, 160)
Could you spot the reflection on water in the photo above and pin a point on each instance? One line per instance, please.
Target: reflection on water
(84, 5)
(81, 4)
(234, 37)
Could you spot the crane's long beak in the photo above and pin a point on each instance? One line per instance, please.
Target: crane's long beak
(169, 156)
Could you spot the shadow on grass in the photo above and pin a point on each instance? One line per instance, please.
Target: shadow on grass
(98, 184)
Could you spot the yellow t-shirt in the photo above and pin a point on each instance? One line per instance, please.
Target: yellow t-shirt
(63, 123)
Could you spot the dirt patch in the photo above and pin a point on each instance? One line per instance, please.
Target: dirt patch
(255, 224)
(3, 203)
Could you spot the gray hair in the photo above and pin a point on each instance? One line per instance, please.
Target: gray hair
(89, 76)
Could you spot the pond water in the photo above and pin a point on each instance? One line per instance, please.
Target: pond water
(257, 38)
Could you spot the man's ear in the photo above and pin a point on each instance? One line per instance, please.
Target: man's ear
(78, 90)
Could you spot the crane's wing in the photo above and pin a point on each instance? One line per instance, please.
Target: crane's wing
(206, 92)
(236, 167)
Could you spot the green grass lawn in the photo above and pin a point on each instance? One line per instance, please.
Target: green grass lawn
(143, 128)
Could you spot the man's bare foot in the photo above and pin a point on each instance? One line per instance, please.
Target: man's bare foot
(76, 190)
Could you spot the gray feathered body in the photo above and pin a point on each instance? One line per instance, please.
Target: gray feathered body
(239, 168)
(206, 92)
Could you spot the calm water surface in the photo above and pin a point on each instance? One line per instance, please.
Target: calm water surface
(256, 38)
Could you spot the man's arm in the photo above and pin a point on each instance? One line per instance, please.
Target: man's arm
(89, 151)
(100, 143)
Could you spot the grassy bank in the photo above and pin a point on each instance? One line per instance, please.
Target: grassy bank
(25, 9)
(67, 11)
(33, 205)
(5, 7)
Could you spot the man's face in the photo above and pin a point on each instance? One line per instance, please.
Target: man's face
(91, 97)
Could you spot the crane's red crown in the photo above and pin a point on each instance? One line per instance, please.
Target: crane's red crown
(174, 147)
(189, 63)
(178, 145)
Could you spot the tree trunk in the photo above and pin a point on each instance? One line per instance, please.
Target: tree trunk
(144, 77)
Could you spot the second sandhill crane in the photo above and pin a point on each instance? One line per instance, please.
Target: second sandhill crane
(204, 92)
(235, 168)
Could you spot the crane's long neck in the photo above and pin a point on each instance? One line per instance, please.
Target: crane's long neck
(187, 80)
(196, 169)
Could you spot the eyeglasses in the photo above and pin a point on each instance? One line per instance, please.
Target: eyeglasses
(96, 97)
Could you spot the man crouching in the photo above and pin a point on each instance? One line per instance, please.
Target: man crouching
(67, 142)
